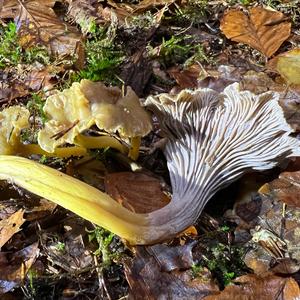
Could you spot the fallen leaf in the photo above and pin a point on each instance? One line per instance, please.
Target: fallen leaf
(15, 90)
(125, 9)
(14, 267)
(173, 258)
(148, 281)
(43, 209)
(137, 72)
(40, 79)
(187, 78)
(11, 225)
(264, 30)
(84, 13)
(263, 288)
(137, 192)
(287, 64)
(286, 188)
(37, 23)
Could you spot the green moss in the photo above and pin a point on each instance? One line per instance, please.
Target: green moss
(224, 261)
(180, 50)
(103, 238)
(103, 57)
(10, 51)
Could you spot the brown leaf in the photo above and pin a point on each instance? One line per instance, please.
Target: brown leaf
(83, 12)
(263, 288)
(11, 225)
(172, 258)
(148, 281)
(136, 72)
(37, 23)
(187, 78)
(264, 30)
(39, 79)
(43, 209)
(136, 191)
(286, 188)
(125, 9)
(14, 267)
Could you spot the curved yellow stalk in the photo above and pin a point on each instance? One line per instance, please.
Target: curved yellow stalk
(95, 142)
(75, 195)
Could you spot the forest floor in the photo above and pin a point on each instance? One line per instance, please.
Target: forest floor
(246, 242)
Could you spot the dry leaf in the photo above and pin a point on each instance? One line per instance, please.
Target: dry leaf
(84, 13)
(14, 267)
(136, 191)
(287, 64)
(264, 30)
(149, 281)
(187, 78)
(11, 225)
(37, 23)
(285, 189)
(42, 209)
(263, 288)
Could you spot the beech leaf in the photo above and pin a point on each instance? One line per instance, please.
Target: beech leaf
(285, 189)
(264, 30)
(137, 192)
(11, 225)
(37, 23)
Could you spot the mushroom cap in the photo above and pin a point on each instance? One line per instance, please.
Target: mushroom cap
(114, 112)
(213, 139)
(12, 120)
(86, 103)
(69, 114)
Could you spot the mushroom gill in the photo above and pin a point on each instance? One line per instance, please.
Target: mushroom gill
(212, 140)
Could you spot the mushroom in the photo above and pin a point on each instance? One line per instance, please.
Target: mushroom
(12, 121)
(87, 103)
(212, 140)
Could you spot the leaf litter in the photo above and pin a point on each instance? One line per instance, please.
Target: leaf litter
(159, 45)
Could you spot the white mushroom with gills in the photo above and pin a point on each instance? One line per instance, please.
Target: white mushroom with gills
(212, 140)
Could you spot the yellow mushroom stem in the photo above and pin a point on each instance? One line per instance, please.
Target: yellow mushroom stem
(135, 147)
(75, 195)
(98, 142)
(63, 152)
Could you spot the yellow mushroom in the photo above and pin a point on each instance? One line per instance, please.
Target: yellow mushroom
(12, 121)
(87, 103)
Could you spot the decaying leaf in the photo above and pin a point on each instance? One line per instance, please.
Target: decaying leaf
(275, 231)
(264, 30)
(42, 209)
(125, 9)
(137, 192)
(149, 281)
(84, 13)
(187, 78)
(286, 188)
(287, 64)
(37, 23)
(263, 288)
(14, 267)
(11, 225)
